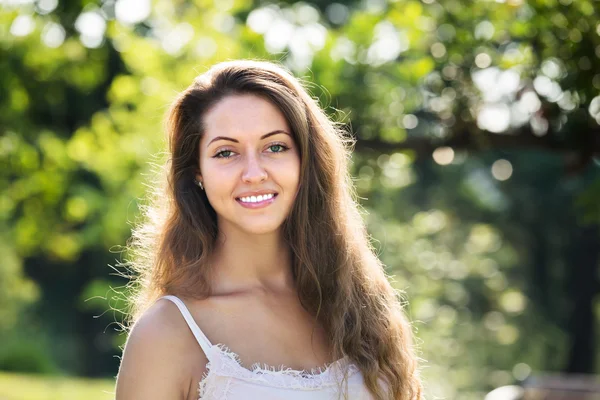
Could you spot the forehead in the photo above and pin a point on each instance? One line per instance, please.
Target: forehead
(243, 115)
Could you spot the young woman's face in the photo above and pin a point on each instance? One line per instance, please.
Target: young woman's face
(249, 164)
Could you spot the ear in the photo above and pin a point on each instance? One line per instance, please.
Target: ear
(199, 176)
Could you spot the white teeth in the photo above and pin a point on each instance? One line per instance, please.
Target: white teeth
(256, 199)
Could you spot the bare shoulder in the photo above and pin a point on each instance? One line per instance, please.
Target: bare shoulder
(161, 359)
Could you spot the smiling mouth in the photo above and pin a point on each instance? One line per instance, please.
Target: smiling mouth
(257, 201)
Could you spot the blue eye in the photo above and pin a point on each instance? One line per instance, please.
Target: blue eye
(283, 148)
(220, 154)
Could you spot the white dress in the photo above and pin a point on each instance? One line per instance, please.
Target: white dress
(227, 379)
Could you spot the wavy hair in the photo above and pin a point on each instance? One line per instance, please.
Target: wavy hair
(338, 277)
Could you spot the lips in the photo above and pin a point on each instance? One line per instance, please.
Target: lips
(257, 204)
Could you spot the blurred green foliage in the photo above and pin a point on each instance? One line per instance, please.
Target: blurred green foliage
(477, 164)
(26, 354)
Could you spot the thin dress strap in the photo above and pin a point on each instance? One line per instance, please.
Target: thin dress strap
(200, 336)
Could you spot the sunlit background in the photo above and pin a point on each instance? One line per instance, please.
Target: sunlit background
(477, 162)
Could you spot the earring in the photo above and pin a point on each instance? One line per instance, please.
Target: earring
(199, 184)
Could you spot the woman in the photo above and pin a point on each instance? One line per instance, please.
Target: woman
(257, 241)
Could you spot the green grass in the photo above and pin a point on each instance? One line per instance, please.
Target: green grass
(40, 387)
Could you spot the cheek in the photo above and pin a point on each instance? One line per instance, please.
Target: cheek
(293, 171)
(218, 184)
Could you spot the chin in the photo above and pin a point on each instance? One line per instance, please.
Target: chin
(261, 229)
(258, 227)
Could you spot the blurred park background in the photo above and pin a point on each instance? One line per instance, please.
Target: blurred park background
(477, 162)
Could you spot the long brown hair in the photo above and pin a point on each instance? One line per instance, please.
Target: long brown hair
(338, 277)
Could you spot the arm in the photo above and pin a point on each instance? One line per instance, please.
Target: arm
(156, 362)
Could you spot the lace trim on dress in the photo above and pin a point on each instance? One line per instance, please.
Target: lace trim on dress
(226, 363)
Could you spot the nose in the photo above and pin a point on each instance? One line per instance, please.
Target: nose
(253, 171)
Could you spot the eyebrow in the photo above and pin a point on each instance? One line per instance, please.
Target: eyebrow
(275, 132)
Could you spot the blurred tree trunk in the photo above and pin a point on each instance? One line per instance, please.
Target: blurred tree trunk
(582, 287)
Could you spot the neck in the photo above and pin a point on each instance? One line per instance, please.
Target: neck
(244, 262)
